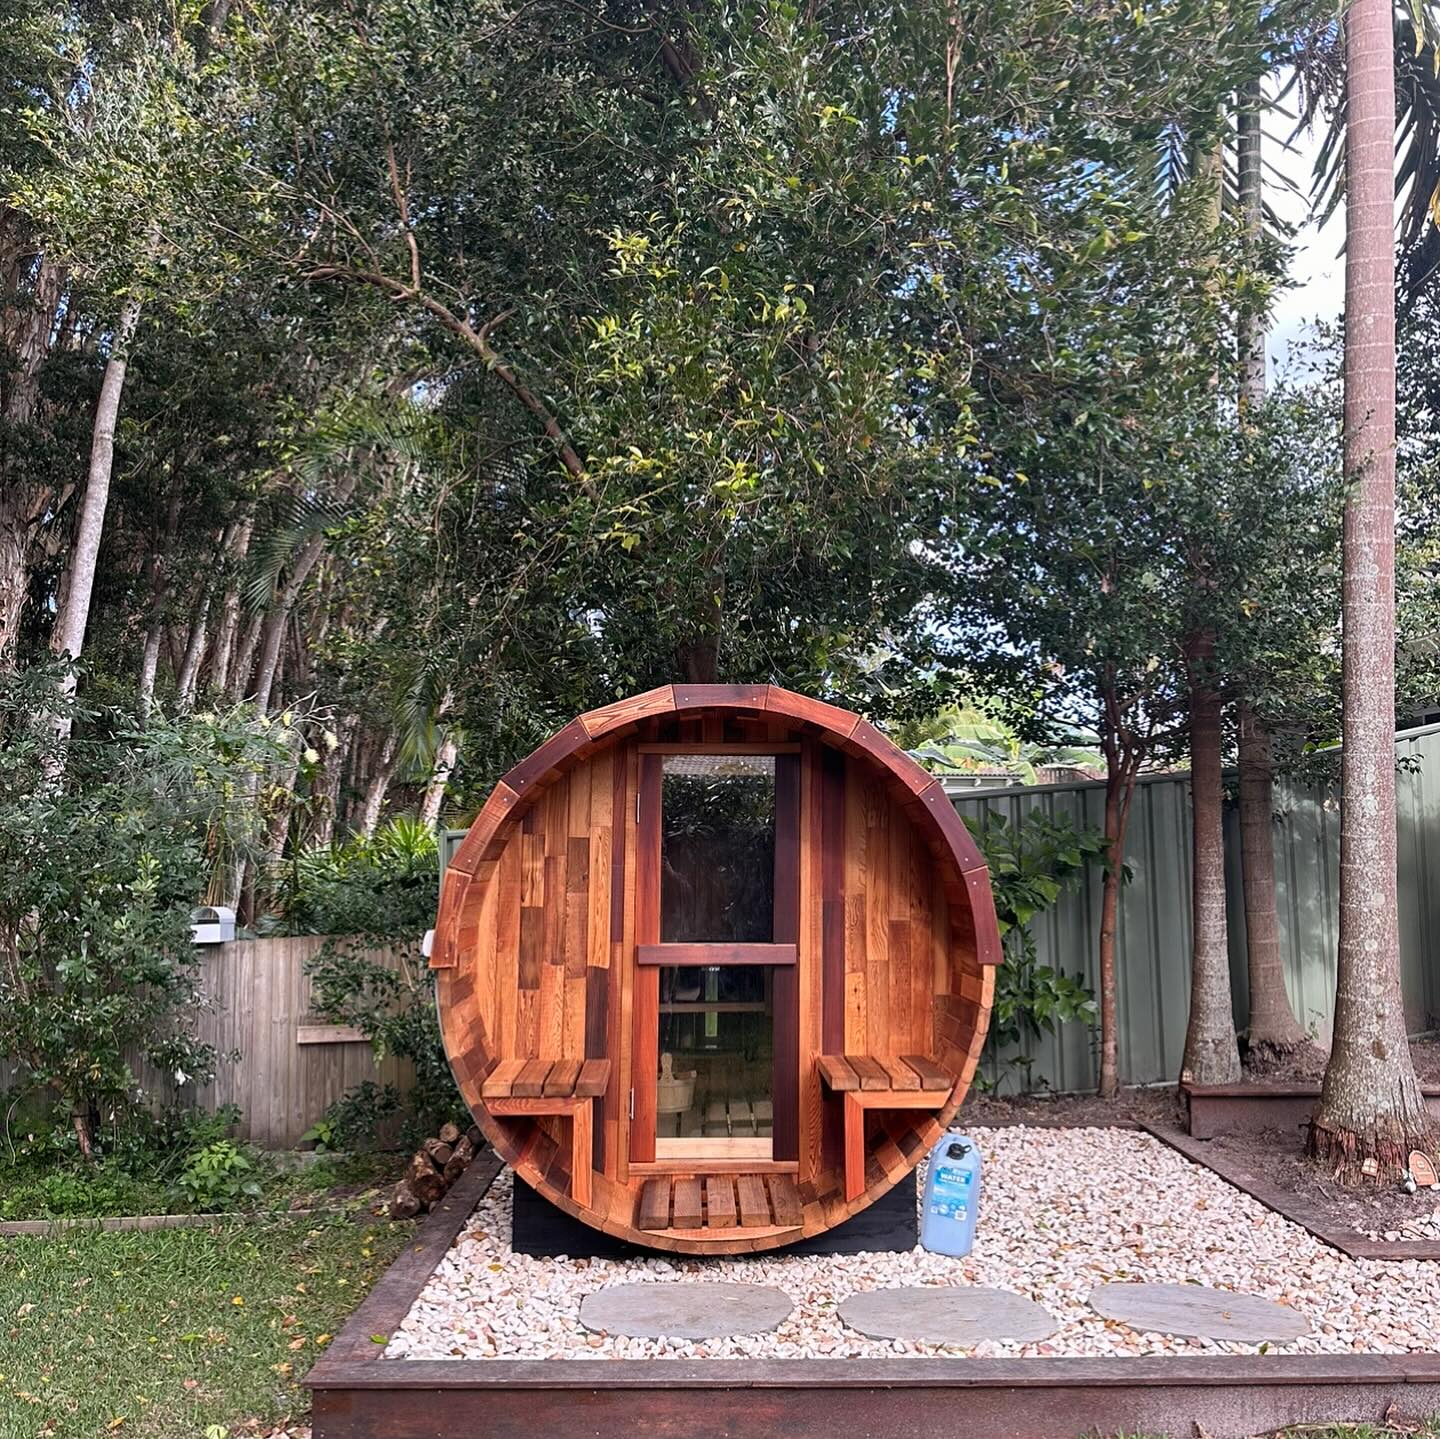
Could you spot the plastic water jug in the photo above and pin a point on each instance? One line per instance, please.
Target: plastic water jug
(952, 1196)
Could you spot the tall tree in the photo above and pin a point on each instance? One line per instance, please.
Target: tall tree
(1272, 1030)
(1371, 1108)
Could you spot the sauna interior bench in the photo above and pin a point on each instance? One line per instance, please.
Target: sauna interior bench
(867, 1081)
(566, 1088)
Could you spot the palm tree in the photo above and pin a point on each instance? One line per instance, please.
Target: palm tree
(1371, 1110)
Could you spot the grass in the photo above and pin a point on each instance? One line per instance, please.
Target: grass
(163, 1335)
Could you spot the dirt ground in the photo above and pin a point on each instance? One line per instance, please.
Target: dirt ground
(1275, 1155)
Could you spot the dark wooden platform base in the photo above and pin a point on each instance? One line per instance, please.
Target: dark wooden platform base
(889, 1226)
(359, 1395)
(1216, 1109)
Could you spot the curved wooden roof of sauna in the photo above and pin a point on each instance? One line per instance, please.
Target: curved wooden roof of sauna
(535, 940)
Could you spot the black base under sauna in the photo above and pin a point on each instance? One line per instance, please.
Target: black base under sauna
(889, 1226)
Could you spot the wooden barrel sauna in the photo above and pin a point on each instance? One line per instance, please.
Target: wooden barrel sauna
(715, 967)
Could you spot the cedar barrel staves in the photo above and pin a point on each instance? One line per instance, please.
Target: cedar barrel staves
(548, 953)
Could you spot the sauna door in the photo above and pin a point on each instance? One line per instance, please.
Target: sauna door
(716, 1028)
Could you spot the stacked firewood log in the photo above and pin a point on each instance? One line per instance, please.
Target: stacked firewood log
(433, 1168)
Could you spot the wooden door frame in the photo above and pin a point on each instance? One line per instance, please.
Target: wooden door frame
(645, 977)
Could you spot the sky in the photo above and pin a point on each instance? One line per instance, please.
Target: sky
(1317, 267)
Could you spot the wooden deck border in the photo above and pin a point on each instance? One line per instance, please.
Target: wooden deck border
(357, 1394)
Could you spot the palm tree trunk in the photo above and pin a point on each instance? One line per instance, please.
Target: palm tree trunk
(1273, 1029)
(1211, 1053)
(1370, 1106)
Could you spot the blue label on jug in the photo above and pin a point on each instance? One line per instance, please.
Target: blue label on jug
(953, 1178)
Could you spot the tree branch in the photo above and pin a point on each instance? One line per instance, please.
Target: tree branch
(478, 341)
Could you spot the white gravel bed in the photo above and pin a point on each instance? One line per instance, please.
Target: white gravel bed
(1062, 1210)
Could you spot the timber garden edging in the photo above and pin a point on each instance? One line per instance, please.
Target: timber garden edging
(359, 1394)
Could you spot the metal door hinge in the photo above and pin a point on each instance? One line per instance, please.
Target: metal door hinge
(632, 1104)
(637, 808)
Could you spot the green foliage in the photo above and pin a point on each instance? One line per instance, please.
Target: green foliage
(217, 1177)
(102, 870)
(964, 738)
(1032, 865)
(382, 885)
(393, 1005)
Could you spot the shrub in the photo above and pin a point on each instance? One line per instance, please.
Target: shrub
(382, 885)
(105, 848)
(394, 1007)
(1031, 865)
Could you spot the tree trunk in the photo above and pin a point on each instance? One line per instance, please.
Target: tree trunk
(160, 590)
(1121, 769)
(244, 665)
(328, 786)
(378, 787)
(1273, 1031)
(445, 757)
(193, 657)
(1211, 1054)
(273, 631)
(74, 616)
(1371, 1108)
(236, 545)
(30, 291)
(15, 533)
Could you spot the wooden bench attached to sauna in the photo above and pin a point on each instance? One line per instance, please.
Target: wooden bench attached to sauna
(714, 967)
(564, 1088)
(877, 1082)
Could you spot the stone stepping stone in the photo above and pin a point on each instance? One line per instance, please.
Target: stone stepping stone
(684, 1311)
(962, 1315)
(1198, 1312)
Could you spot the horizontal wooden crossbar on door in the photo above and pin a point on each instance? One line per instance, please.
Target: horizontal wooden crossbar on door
(681, 955)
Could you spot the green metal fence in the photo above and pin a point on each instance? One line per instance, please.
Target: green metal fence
(1153, 957)
(1152, 962)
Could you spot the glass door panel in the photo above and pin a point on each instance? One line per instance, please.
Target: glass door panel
(715, 1019)
(717, 849)
(715, 1091)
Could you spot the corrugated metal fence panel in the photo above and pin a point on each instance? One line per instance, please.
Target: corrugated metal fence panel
(260, 997)
(1153, 941)
(1152, 964)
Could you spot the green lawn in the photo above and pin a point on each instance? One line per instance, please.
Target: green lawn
(164, 1334)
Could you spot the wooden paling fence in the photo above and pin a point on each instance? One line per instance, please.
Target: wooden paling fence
(289, 1065)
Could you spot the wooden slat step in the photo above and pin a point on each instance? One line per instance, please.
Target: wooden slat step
(754, 1201)
(719, 1202)
(785, 1200)
(531, 1082)
(688, 1206)
(871, 1074)
(733, 1203)
(560, 1082)
(837, 1074)
(655, 1205)
(594, 1079)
